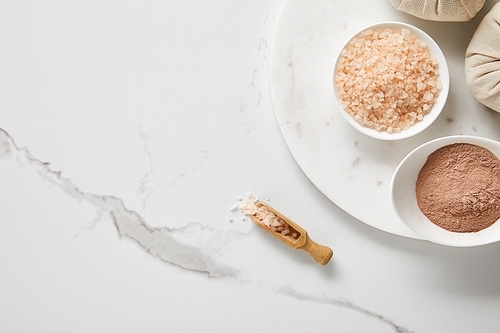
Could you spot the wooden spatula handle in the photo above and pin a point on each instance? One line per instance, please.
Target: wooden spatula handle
(322, 254)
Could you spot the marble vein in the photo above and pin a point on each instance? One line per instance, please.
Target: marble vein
(252, 95)
(262, 51)
(342, 303)
(170, 245)
(194, 247)
(143, 189)
(199, 165)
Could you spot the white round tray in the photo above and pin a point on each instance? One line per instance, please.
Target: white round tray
(354, 171)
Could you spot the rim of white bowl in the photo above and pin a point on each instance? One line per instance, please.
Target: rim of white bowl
(436, 109)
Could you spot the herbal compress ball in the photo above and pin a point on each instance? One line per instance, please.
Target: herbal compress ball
(482, 61)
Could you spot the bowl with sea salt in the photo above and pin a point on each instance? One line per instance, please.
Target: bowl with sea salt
(390, 80)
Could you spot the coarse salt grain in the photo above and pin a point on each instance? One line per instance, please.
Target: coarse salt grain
(248, 206)
(271, 221)
(387, 79)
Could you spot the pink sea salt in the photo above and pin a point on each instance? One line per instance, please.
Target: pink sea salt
(387, 79)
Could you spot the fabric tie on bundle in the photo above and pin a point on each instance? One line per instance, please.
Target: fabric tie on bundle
(440, 10)
(482, 60)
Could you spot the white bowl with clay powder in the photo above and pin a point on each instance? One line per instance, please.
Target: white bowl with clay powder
(361, 123)
(404, 196)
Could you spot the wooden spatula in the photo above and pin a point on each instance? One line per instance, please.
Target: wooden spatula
(322, 254)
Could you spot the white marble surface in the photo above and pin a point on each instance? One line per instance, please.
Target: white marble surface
(128, 129)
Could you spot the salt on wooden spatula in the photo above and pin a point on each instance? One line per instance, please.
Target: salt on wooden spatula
(295, 236)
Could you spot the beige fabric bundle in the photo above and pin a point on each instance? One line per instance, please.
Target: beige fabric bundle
(482, 60)
(440, 10)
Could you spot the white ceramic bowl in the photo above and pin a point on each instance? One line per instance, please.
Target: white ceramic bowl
(404, 198)
(436, 109)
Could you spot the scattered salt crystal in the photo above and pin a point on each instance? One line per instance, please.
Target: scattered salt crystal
(248, 206)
